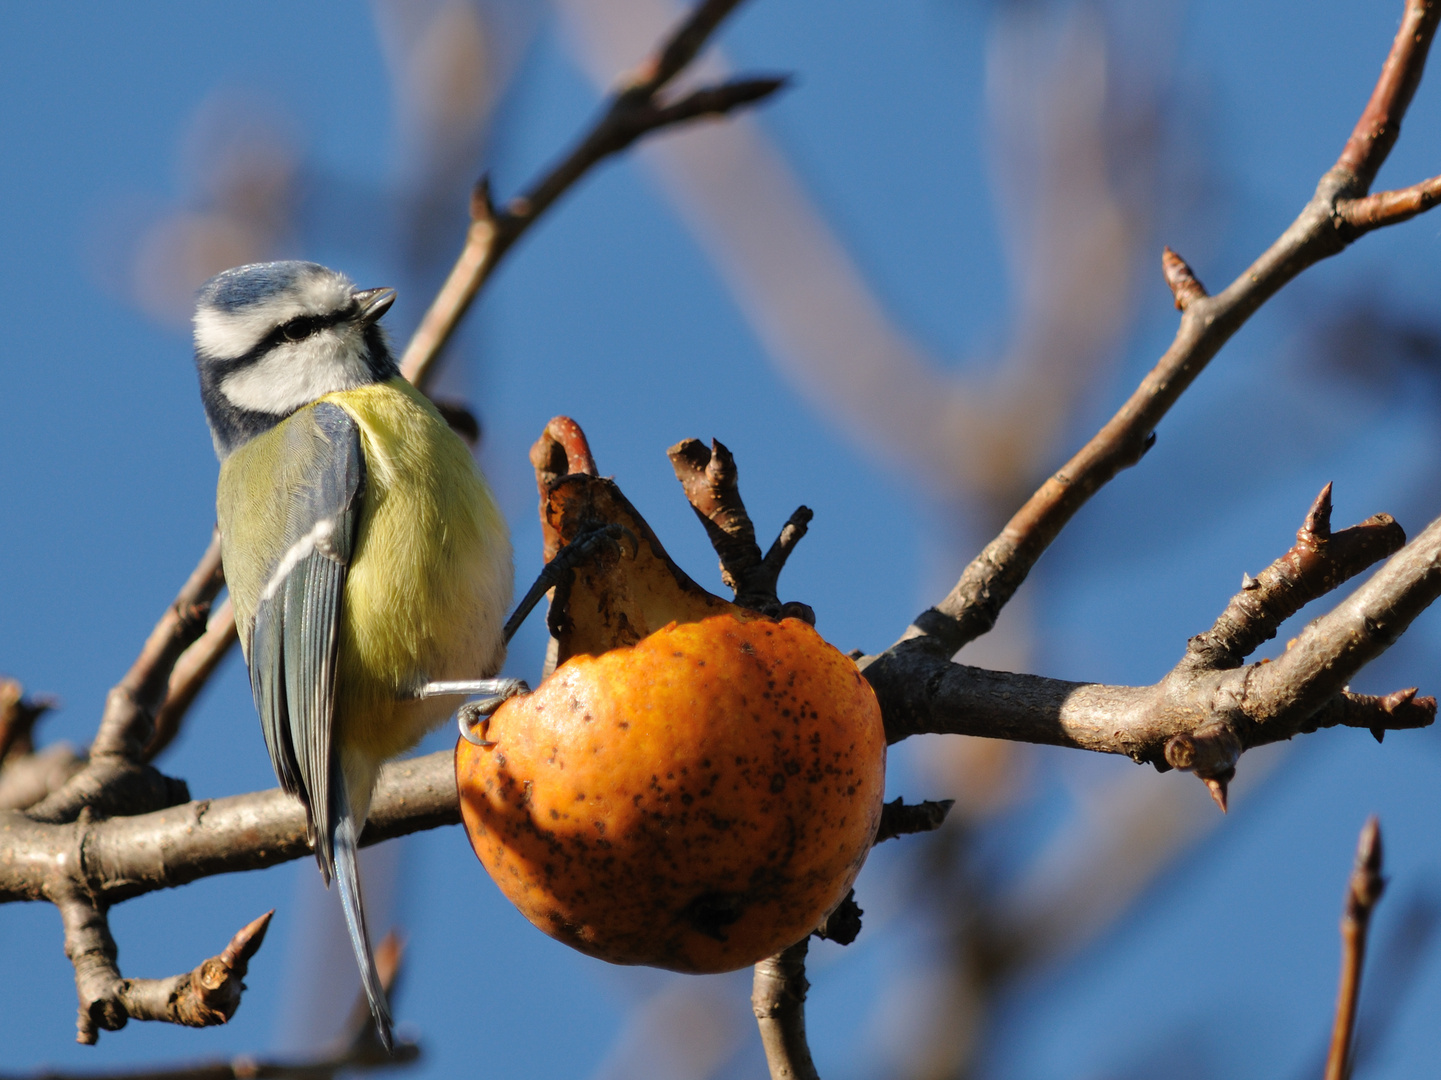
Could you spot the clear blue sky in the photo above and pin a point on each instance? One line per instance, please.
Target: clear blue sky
(611, 313)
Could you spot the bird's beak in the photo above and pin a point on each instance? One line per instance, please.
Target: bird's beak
(373, 303)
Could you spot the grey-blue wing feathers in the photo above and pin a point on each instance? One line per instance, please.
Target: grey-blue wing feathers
(293, 647)
(296, 632)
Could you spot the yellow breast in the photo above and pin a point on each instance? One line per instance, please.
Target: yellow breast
(430, 579)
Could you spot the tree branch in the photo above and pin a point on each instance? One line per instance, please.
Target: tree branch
(900, 818)
(1375, 133)
(634, 110)
(1207, 710)
(115, 859)
(1337, 214)
(358, 1049)
(778, 999)
(1363, 891)
(710, 482)
(116, 779)
(205, 997)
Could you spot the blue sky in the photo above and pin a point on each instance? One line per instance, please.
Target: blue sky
(611, 312)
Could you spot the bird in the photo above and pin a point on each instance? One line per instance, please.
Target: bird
(367, 562)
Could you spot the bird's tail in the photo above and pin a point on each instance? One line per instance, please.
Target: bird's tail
(347, 875)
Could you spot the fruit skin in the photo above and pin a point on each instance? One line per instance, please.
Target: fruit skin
(696, 802)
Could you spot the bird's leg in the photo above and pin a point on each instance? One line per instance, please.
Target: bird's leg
(471, 713)
(560, 571)
(557, 574)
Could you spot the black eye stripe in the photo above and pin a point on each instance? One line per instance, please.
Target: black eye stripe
(303, 326)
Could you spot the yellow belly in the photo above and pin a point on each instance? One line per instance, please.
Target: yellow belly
(429, 585)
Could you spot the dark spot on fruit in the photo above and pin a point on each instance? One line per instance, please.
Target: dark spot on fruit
(712, 912)
(778, 783)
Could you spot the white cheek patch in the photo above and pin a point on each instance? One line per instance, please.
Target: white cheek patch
(301, 550)
(293, 375)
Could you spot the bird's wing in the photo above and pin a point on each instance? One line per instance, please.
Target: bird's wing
(296, 632)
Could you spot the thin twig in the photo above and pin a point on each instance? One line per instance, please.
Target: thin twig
(1362, 893)
(1337, 214)
(357, 1050)
(778, 999)
(900, 818)
(205, 997)
(191, 674)
(1318, 563)
(19, 713)
(634, 110)
(116, 779)
(709, 478)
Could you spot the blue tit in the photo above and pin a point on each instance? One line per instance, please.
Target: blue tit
(367, 562)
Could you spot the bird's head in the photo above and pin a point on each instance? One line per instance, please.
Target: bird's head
(270, 338)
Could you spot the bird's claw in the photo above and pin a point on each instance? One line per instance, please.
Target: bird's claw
(477, 714)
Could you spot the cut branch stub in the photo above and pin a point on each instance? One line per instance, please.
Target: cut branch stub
(900, 818)
(710, 482)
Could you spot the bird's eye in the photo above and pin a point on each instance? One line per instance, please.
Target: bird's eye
(298, 329)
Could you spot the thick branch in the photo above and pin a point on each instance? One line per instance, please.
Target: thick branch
(1363, 891)
(778, 1000)
(634, 110)
(118, 858)
(1337, 215)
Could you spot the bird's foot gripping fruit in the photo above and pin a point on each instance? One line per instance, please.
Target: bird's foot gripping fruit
(694, 787)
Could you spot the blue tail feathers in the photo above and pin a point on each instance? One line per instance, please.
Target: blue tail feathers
(347, 875)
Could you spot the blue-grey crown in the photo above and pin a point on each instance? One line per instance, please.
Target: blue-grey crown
(241, 286)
